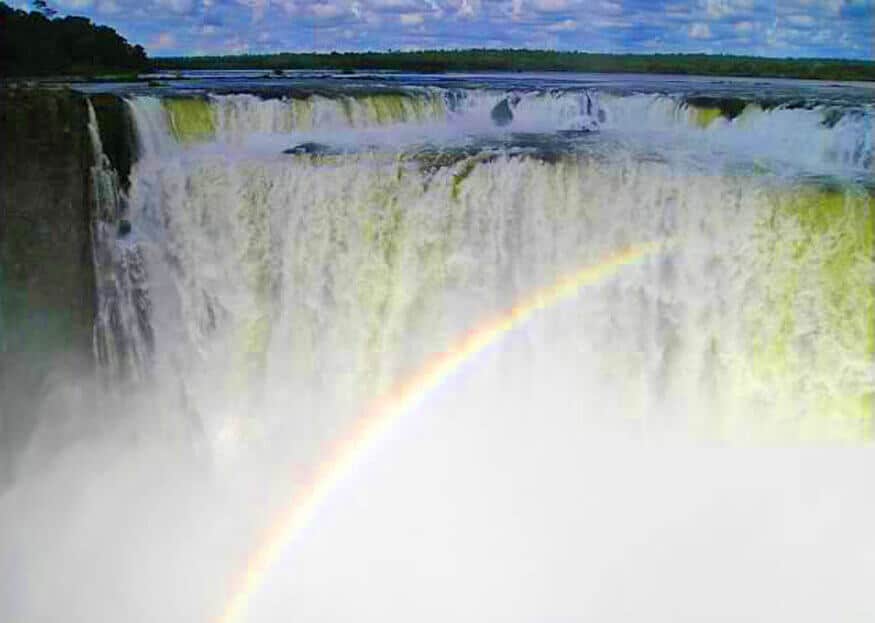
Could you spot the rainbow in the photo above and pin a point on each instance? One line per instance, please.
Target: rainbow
(386, 411)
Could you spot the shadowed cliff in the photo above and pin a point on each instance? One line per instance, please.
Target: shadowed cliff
(46, 270)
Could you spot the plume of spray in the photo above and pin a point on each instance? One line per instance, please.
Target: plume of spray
(512, 495)
(402, 399)
(488, 505)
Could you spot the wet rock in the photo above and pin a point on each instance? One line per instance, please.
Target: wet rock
(46, 271)
(831, 117)
(116, 133)
(310, 148)
(729, 107)
(502, 114)
(124, 228)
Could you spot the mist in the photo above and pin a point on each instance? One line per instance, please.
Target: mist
(501, 499)
(686, 437)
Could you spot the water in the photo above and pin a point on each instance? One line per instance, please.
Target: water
(263, 299)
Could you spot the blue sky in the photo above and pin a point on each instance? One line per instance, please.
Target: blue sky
(836, 28)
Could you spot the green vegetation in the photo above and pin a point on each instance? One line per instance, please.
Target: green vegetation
(190, 119)
(818, 314)
(539, 60)
(34, 44)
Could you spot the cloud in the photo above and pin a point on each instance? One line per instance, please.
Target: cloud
(163, 41)
(550, 6)
(71, 4)
(804, 21)
(843, 27)
(180, 7)
(700, 31)
(326, 10)
(563, 26)
(411, 19)
(717, 9)
(108, 7)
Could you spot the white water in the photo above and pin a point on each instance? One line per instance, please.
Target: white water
(818, 140)
(348, 270)
(553, 479)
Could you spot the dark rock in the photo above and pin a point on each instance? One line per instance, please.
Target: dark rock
(729, 107)
(310, 148)
(831, 117)
(501, 114)
(116, 133)
(795, 104)
(47, 289)
(124, 228)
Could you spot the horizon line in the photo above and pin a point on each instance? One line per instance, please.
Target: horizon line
(519, 49)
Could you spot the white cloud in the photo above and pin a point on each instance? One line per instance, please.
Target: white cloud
(563, 26)
(700, 31)
(258, 7)
(610, 7)
(717, 9)
(325, 10)
(411, 19)
(468, 8)
(801, 20)
(516, 9)
(550, 6)
(177, 6)
(108, 7)
(609, 22)
(163, 41)
(71, 4)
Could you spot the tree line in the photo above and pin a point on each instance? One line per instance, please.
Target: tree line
(38, 44)
(538, 60)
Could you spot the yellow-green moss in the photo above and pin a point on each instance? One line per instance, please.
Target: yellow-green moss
(191, 119)
(383, 231)
(703, 117)
(462, 174)
(301, 113)
(812, 339)
(254, 331)
(387, 108)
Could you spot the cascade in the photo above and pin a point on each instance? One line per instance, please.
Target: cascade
(293, 277)
(445, 348)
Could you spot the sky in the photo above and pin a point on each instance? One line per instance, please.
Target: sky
(817, 28)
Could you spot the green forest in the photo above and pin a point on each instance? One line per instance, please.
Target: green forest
(38, 44)
(539, 60)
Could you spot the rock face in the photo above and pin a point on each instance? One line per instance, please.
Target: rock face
(501, 114)
(47, 300)
(116, 134)
(310, 148)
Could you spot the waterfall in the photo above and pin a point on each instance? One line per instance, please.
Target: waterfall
(456, 353)
(122, 334)
(819, 137)
(264, 280)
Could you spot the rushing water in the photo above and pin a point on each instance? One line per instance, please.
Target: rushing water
(336, 239)
(298, 247)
